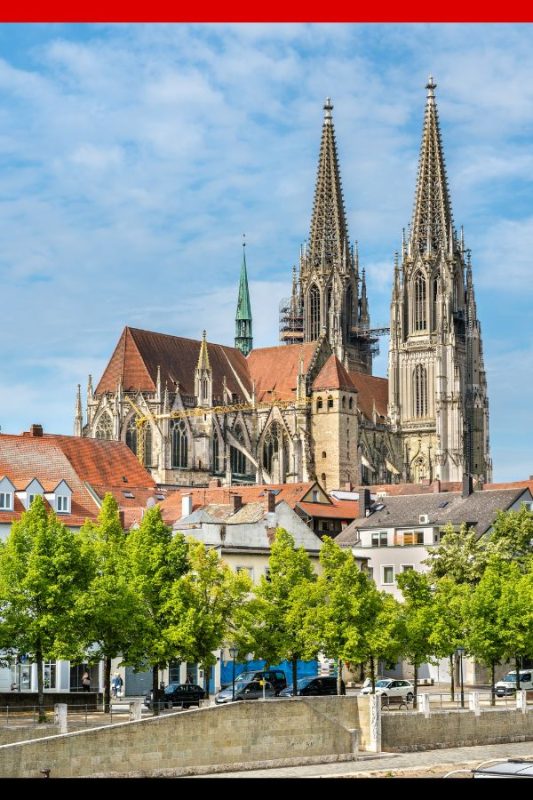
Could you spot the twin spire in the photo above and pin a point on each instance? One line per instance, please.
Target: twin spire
(432, 223)
(243, 318)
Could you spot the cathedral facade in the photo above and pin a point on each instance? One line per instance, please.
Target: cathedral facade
(310, 407)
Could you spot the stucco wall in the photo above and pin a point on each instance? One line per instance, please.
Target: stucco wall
(299, 728)
(401, 731)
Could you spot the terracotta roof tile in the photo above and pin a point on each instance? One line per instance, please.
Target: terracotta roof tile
(371, 390)
(275, 369)
(139, 353)
(345, 509)
(333, 376)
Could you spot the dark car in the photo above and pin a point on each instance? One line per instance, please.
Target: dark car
(314, 686)
(178, 694)
(246, 690)
(276, 677)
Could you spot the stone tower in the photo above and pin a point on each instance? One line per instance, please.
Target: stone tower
(243, 318)
(329, 284)
(437, 387)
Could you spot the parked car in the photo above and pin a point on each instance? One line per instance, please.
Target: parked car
(245, 690)
(507, 685)
(314, 686)
(512, 768)
(390, 687)
(178, 694)
(276, 677)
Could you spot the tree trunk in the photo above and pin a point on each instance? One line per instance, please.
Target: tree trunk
(294, 661)
(155, 690)
(107, 684)
(373, 674)
(40, 683)
(452, 678)
(492, 682)
(416, 686)
(207, 674)
(339, 676)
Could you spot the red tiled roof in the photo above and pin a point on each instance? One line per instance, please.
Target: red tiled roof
(139, 353)
(333, 376)
(396, 489)
(371, 390)
(51, 459)
(275, 369)
(342, 509)
(291, 493)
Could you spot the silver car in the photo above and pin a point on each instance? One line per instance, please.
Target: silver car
(245, 690)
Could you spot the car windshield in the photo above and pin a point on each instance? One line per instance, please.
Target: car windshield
(246, 677)
(382, 684)
(510, 678)
(303, 682)
(172, 687)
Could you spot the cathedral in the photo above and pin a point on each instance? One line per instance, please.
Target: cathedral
(310, 408)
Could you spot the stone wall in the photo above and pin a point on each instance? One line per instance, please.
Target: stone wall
(293, 730)
(405, 731)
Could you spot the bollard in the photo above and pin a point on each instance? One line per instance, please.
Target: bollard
(521, 701)
(354, 736)
(423, 704)
(473, 703)
(135, 710)
(374, 709)
(60, 717)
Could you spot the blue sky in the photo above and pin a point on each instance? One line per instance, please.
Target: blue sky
(133, 157)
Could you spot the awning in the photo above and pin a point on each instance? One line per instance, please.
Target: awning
(366, 463)
(392, 468)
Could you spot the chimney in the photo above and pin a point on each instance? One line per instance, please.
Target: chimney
(436, 486)
(214, 483)
(467, 485)
(236, 502)
(348, 486)
(186, 505)
(364, 502)
(271, 500)
(36, 430)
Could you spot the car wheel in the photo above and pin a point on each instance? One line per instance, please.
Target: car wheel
(409, 697)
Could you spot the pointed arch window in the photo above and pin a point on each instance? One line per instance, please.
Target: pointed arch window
(131, 435)
(179, 444)
(314, 312)
(237, 457)
(435, 293)
(104, 427)
(420, 393)
(205, 389)
(215, 451)
(148, 445)
(349, 309)
(420, 293)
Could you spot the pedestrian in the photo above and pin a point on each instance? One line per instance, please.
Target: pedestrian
(86, 682)
(116, 685)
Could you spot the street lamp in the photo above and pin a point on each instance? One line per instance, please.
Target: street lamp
(233, 655)
(460, 653)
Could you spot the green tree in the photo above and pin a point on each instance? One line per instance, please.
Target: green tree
(202, 604)
(484, 635)
(515, 612)
(343, 611)
(42, 572)
(416, 619)
(278, 616)
(511, 536)
(156, 560)
(109, 612)
(460, 556)
(449, 624)
(383, 639)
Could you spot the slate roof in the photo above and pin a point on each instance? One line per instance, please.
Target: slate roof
(478, 509)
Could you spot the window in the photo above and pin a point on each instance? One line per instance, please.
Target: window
(49, 675)
(314, 312)
(420, 394)
(379, 539)
(148, 446)
(343, 401)
(350, 404)
(323, 454)
(179, 444)
(104, 427)
(407, 567)
(267, 574)
(330, 402)
(249, 571)
(62, 504)
(420, 302)
(319, 404)
(6, 501)
(370, 572)
(410, 537)
(388, 575)
(131, 435)
(528, 505)
(215, 451)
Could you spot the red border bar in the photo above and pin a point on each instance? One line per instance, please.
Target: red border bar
(270, 11)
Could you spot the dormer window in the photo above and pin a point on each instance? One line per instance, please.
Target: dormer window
(6, 501)
(62, 504)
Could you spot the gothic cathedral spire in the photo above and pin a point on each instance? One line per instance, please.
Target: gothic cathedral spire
(329, 276)
(243, 318)
(438, 400)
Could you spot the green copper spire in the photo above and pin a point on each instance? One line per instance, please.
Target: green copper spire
(243, 318)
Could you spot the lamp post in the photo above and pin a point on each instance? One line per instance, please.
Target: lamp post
(460, 653)
(233, 655)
